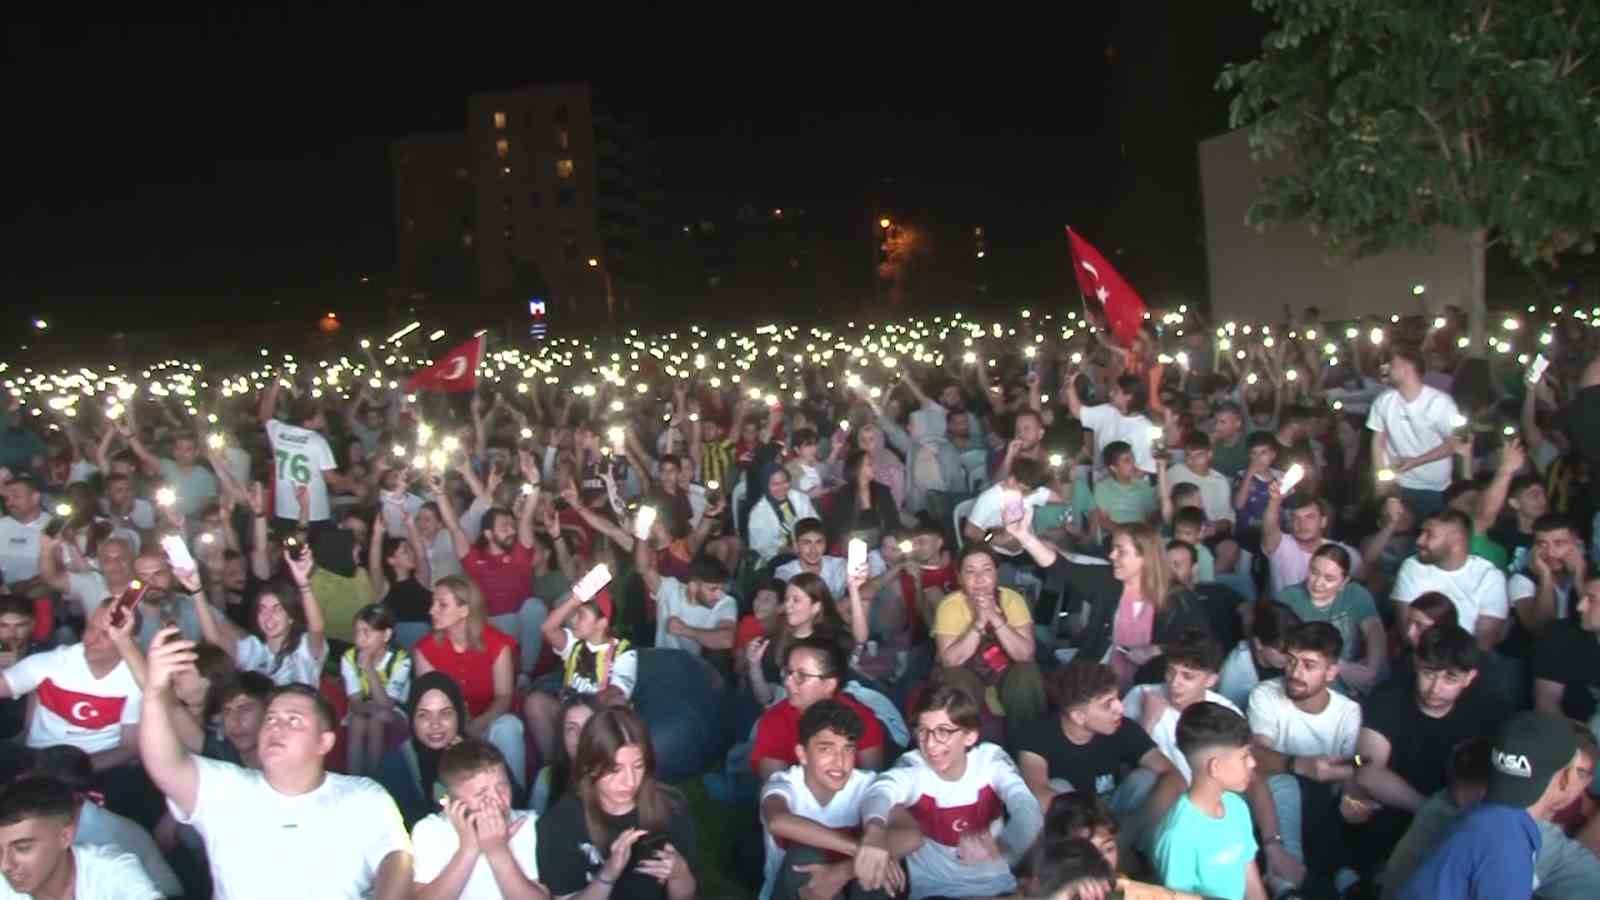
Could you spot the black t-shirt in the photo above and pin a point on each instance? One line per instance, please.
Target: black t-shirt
(1096, 766)
(1570, 656)
(1517, 543)
(1419, 744)
(409, 601)
(568, 861)
(1582, 420)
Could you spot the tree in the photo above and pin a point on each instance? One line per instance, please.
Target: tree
(1401, 117)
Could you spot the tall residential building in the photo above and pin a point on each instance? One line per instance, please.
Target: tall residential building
(556, 209)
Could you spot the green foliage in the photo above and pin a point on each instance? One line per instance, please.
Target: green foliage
(1400, 116)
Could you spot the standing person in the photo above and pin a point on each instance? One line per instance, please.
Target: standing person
(480, 657)
(1205, 843)
(1230, 448)
(292, 829)
(1122, 419)
(20, 529)
(1538, 769)
(38, 840)
(304, 461)
(621, 833)
(955, 810)
(1411, 428)
(478, 848)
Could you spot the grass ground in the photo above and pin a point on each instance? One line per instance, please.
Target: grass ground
(714, 836)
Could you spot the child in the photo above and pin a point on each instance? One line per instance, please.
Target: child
(593, 661)
(1254, 489)
(477, 846)
(1189, 526)
(1191, 673)
(1125, 494)
(1205, 843)
(377, 679)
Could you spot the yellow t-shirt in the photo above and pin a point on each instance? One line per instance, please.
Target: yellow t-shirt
(341, 598)
(954, 614)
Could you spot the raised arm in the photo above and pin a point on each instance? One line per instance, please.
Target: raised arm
(375, 576)
(1513, 456)
(168, 763)
(447, 512)
(1271, 528)
(316, 626)
(268, 402)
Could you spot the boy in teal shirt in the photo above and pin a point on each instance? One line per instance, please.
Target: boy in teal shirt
(1124, 495)
(1205, 843)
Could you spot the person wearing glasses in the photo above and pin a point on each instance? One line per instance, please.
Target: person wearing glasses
(813, 670)
(955, 810)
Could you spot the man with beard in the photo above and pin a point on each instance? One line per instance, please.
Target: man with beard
(160, 603)
(20, 530)
(950, 402)
(500, 562)
(1542, 594)
(1442, 564)
(1305, 736)
(1289, 555)
(1026, 443)
(292, 829)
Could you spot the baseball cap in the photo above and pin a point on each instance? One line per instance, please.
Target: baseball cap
(603, 602)
(1529, 749)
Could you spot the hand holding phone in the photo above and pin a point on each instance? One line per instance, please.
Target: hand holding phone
(1291, 478)
(643, 520)
(591, 583)
(178, 553)
(856, 555)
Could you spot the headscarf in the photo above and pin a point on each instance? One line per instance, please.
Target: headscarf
(427, 757)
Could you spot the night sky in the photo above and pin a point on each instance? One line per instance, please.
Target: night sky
(244, 156)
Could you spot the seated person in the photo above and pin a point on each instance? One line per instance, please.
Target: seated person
(1538, 767)
(1260, 656)
(1305, 739)
(1205, 843)
(477, 847)
(16, 643)
(814, 670)
(1192, 663)
(811, 555)
(1329, 594)
(1428, 610)
(983, 634)
(1443, 563)
(39, 830)
(1408, 731)
(1088, 746)
(1029, 479)
(1222, 606)
(237, 705)
(1189, 526)
(594, 662)
(1125, 495)
(811, 812)
(955, 810)
(1566, 663)
(694, 615)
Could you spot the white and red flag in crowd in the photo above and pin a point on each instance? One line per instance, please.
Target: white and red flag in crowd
(1097, 279)
(455, 372)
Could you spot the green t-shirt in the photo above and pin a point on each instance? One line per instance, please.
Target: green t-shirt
(1132, 502)
(1347, 611)
(1480, 545)
(1202, 855)
(1232, 459)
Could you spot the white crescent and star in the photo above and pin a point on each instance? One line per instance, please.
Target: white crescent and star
(82, 711)
(1100, 291)
(458, 368)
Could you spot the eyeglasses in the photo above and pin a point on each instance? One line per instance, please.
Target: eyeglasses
(803, 677)
(940, 735)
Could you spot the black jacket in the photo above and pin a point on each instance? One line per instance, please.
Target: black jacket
(1095, 586)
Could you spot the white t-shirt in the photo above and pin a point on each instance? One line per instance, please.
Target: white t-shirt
(1166, 731)
(1520, 587)
(1216, 492)
(327, 843)
(436, 842)
(19, 547)
(672, 599)
(395, 506)
(102, 873)
(621, 672)
(141, 515)
(1476, 589)
(1291, 730)
(300, 667)
(301, 456)
(1290, 563)
(835, 572)
(74, 706)
(843, 811)
(99, 827)
(1110, 426)
(1412, 429)
(442, 558)
(988, 511)
(89, 588)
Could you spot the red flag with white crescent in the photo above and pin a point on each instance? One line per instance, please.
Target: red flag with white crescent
(455, 372)
(1097, 279)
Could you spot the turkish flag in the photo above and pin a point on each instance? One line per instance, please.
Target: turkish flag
(80, 709)
(1097, 279)
(454, 373)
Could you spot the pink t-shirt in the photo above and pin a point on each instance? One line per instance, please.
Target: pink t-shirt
(1135, 626)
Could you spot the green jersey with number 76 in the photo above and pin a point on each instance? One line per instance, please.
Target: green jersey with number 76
(300, 456)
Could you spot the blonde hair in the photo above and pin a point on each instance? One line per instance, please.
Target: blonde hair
(1155, 579)
(465, 591)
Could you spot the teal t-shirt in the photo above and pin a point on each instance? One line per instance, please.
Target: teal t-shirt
(1132, 502)
(1347, 611)
(1202, 855)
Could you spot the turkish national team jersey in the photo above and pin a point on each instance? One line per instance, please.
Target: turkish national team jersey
(981, 798)
(75, 707)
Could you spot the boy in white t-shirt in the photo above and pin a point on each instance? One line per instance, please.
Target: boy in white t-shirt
(38, 824)
(695, 614)
(1191, 673)
(956, 810)
(810, 812)
(478, 848)
(302, 457)
(1412, 424)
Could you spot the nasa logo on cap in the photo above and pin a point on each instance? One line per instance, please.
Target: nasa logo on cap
(1513, 764)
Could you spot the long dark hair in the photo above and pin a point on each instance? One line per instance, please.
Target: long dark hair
(288, 596)
(612, 729)
(560, 763)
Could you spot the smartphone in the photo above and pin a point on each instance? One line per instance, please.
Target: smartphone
(643, 520)
(1537, 368)
(591, 583)
(855, 555)
(295, 547)
(648, 846)
(54, 527)
(1291, 478)
(178, 553)
(126, 601)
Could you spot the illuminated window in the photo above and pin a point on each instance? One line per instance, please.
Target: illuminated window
(563, 138)
(502, 148)
(500, 121)
(564, 168)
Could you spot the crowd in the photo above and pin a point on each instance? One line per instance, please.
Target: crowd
(931, 608)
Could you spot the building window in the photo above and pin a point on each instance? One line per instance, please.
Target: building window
(563, 139)
(560, 115)
(566, 197)
(570, 248)
(500, 121)
(564, 168)
(502, 148)
(533, 199)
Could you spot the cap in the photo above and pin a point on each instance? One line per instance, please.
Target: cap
(1528, 750)
(603, 602)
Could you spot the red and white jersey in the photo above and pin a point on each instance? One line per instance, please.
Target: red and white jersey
(75, 707)
(986, 794)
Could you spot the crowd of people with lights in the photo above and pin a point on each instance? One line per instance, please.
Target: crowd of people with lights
(1049, 603)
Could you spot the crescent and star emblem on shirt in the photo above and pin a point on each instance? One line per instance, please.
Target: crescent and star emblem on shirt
(82, 711)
